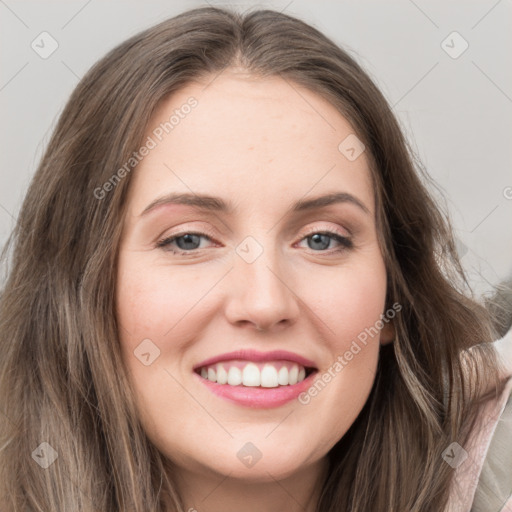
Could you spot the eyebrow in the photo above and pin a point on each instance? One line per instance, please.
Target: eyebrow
(217, 204)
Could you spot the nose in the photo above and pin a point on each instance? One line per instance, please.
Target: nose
(261, 294)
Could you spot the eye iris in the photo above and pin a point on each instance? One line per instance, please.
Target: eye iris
(319, 238)
(188, 239)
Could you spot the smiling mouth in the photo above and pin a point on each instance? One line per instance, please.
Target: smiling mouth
(269, 374)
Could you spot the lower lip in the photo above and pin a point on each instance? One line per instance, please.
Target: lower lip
(257, 397)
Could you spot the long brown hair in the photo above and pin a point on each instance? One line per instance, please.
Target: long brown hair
(62, 379)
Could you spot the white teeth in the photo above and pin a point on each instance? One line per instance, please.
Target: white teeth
(269, 377)
(212, 375)
(293, 374)
(222, 375)
(251, 375)
(234, 376)
(282, 376)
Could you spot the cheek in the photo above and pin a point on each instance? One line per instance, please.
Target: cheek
(150, 311)
(159, 311)
(349, 303)
(154, 301)
(350, 308)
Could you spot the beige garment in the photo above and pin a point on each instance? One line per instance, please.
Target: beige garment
(483, 478)
(494, 490)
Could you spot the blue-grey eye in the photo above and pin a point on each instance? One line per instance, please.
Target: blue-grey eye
(188, 241)
(320, 241)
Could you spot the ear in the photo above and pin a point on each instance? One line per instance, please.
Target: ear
(387, 333)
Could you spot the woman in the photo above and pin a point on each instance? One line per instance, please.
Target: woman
(229, 287)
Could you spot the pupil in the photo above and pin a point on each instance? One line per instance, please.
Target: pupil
(187, 239)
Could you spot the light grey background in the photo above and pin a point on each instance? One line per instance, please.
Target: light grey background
(456, 111)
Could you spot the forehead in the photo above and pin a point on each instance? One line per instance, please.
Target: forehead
(264, 138)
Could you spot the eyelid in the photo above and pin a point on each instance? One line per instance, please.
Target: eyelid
(327, 230)
(165, 242)
(204, 231)
(210, 234)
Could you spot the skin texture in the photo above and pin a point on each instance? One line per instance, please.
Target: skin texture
(261, 145)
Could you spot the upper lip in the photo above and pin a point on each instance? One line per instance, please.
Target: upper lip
(256, 356)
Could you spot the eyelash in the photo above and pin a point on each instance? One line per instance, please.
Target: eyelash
(345, 242)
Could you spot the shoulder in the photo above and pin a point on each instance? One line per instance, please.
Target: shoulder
(494, 487)
(483, 477)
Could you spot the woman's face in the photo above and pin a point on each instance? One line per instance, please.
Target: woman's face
(264, 284)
